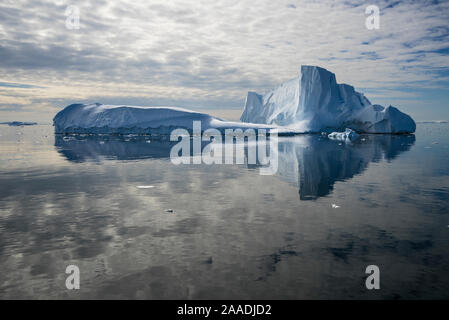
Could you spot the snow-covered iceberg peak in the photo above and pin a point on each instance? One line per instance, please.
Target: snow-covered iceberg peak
(314, 101)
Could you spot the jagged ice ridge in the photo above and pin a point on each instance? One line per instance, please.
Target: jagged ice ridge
(314, 102)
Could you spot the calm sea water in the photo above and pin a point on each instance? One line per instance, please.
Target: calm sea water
(309, 231)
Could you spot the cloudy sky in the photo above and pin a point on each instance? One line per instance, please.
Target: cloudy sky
(208, 54)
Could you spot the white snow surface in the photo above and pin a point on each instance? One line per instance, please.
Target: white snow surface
(347, 136)
(314, 102)
(99, 118)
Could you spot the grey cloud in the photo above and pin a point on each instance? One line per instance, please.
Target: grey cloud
(10, 107)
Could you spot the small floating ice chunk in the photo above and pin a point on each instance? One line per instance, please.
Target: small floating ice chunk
(348, 135)
(209, 260)
(20, 123)
(334, 206)
(145, 187)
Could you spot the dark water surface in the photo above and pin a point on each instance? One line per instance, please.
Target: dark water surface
(233, 233)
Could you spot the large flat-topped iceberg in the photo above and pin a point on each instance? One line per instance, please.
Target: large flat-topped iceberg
(99, 118)
(314, 102)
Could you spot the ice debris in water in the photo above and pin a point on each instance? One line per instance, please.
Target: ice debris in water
(348, 135)
(335, 206)
(145, 187)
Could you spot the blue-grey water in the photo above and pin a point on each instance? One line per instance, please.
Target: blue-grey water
(308, 231)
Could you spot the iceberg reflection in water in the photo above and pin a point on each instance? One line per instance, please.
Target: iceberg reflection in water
(316, 163)
(313, 163)
(140, 227)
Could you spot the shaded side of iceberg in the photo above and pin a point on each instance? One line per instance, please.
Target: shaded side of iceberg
(314, 101)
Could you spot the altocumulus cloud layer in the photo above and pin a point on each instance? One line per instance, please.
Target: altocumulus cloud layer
(208, 54)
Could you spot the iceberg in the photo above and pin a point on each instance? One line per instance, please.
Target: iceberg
(315, 102)
(348, 135)
(311, 102)
(111, 119)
